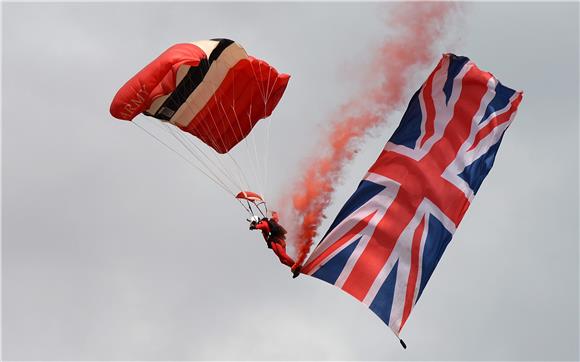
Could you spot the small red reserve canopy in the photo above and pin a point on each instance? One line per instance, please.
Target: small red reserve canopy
(250, 196)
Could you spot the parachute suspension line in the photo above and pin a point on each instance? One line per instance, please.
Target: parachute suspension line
(271, 90)
(250, 206)
(258, 80)
(267, 88)
(178, 135)
(230, 123)
(255, 166)
(256, 157)
(239, 173)
(181, 138)
(218, 162)
(183, 157)
(263, 94)
(220, 104)
(260, 210)
(267, 138)
(240, 170)
(188, 140)
(267, 153)
(266, 93)
(218, 167)
(241, 177)
(265, 98)
(244, 206)
(257, 208)
(255, 153)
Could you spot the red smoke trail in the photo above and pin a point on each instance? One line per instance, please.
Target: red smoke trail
(418, 26)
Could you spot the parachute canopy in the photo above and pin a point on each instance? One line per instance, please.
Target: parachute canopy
(250, 196)
(211, 88)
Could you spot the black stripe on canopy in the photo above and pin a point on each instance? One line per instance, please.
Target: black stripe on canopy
(190, 82)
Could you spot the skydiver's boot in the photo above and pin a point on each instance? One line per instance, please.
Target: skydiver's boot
(296, 271)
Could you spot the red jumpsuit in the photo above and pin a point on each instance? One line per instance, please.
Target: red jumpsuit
(275, 240)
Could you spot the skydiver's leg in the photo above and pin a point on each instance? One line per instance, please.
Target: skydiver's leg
(280, 251)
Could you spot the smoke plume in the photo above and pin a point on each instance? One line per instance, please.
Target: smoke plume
(418, 28)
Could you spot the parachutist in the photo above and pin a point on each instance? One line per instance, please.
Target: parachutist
(275, 236)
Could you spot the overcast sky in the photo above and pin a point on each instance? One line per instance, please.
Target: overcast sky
(113, 248)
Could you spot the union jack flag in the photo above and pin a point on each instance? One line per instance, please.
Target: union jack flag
(387, 239)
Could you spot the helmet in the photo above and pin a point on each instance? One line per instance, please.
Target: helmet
(254, 218)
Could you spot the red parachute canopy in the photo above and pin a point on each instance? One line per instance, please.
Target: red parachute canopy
(249, 195)
(210, 88)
